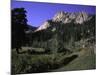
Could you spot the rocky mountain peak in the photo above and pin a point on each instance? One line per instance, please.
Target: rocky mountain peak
(67, 17)
(45, 25)
(82, 17)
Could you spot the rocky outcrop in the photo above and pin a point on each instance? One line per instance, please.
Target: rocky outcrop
(67, 17)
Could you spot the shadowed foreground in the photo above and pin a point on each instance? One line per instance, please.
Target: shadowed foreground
(43, 62)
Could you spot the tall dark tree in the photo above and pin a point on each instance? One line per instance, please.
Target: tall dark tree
(19, 25)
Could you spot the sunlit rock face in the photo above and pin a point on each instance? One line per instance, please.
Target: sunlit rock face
(82, 17)
(45, 25)
(66, 17)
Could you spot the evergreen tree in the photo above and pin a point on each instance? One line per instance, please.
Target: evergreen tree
(18, 27)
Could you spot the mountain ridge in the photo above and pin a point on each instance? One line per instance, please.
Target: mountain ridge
(66, 17)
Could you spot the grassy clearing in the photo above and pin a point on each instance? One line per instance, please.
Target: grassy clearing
(36, 63)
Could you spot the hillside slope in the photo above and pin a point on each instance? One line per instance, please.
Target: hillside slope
(85, 61)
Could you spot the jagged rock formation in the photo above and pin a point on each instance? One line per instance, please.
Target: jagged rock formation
(45, 25)
(66, 17)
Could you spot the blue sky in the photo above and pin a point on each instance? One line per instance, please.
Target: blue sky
(38, 13)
